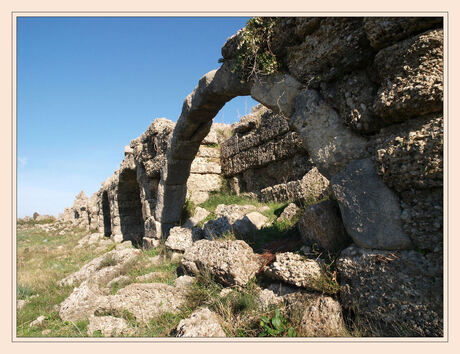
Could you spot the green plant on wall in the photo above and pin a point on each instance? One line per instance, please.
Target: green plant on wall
(254, 55)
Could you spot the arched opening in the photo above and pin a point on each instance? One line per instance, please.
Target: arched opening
(106, 214)
(130, 207)
(76, 215)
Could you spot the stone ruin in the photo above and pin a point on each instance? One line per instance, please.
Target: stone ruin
(357, 109)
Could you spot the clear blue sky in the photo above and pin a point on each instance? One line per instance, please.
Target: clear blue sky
(88, 86)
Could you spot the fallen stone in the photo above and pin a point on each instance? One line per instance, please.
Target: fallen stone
(370, 210)
(201, 323)
(289, 212)
(109, 326)
(321, 315)
(267, 298)
(184, 281)
(297, 270)
(233, 212)
(144, 300)
(38, 322)
(249, 223)
(322, 224)
(115, 260)
(149, 243)
(81, 303)
(230, 262)
(199, 215)
(216, 228)
(121, 280)
(179, 239)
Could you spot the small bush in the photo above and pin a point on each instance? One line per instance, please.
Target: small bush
(254, 56)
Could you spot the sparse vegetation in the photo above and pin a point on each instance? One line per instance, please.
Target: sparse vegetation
(254, 54)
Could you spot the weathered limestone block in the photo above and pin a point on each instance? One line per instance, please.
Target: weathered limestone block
(411, 76)
(201, 323)
(297, 270)
(276, 92)
(259, 126)
(322, 224)
(398, 293)
(370, 211)
(384, 31)
(338, 46)
(179, 239)
(411, 155)
(144, 300)
(109, 326)
(312, 187)
(249, 223)
(353, 97)
(306, 25)
(289, 212)
(329, 143)
(202, 165)
(230, 262)
(321, 315)
(117, 259)
(277, 149)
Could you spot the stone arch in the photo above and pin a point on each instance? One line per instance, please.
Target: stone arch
(130, 206)
(214, 89)
(107, 219)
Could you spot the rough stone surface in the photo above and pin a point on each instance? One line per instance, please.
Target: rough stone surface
(39, 321)
(250, 222)
(312, 187)
(179, 239)
(230, 262)
(399, 293)
(296, 270)
(201, 323)
(279, 89)
(338, 46)
(144, 301)
(411, 76)
(267, 298)
(109, 326)
(184, 281)
(370, 211)
(81, 303)
(289, 212)
(329, 143)
(114, 260)
(322, 224)
(199, 215)
(321, 315)
(384, 31)
(353, 97)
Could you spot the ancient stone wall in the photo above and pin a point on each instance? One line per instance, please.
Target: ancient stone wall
(362, 98)
(265, 157)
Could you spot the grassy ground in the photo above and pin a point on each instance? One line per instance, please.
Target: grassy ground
(42, 260)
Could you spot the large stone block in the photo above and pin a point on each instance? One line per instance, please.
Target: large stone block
(338, 46)
(397, 293)
(322, 224)
(411, 76)
(370, 210)
(329, 143)
(230, 262)
(384, 31)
